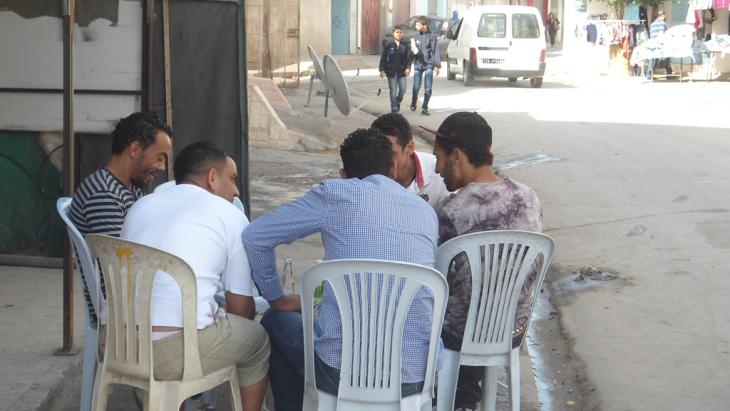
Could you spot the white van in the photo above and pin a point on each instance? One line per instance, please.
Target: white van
(498, 41)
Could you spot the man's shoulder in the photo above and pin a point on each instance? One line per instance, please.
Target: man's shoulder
(489, 193)
(100, 183)
(427, 160)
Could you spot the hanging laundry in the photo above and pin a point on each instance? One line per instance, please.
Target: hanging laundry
(719, 4)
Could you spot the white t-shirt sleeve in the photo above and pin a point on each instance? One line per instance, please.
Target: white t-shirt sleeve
(236, 276)
(439, 192)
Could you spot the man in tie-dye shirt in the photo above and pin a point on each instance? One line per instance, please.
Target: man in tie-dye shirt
(484, 201)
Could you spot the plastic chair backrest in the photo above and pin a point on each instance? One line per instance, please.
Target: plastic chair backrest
(129, 269)
(372, 334)
(500, 262)
(84, 259)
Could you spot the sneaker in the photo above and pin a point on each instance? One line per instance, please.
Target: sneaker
(413, 106)
(425, 112)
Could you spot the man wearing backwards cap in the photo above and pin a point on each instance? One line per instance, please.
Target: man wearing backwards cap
(484, 201)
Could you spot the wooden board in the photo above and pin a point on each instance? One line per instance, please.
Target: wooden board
(370, 26)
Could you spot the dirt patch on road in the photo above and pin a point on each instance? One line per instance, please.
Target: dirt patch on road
(560, 375)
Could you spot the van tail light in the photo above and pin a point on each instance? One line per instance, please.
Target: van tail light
(542, 56)
(473, 55)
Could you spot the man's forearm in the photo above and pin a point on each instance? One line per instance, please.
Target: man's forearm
(241, 305)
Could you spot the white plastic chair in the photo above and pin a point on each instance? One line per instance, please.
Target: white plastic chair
(371, 345)
(496, 281)
(90, 276)
(129, 269)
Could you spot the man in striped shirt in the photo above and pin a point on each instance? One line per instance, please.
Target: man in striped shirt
(140, 146)
(656, 31)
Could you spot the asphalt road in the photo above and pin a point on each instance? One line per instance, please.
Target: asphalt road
(634, 182)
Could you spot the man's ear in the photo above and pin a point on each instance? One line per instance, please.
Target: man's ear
(410, 148)
(343, 174)
(135, 150)
(393, 169)
(211, 179)
(456, 155)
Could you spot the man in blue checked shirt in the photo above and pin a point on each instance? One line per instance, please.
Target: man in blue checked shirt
(366, 214)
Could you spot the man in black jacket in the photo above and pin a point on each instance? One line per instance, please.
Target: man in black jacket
(395, 63)
(427, 62)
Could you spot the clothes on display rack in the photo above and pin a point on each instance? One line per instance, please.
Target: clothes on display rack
(678, 42)
(604, 32)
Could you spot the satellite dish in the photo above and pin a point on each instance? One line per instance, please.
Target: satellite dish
(337, 86)
(317, 63)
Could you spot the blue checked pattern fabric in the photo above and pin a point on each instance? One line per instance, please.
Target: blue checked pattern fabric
(370, 218)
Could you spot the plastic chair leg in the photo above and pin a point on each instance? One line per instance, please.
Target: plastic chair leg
(101, 391)
(236, 403)
(89, 368)
(446, 381)
(489, 388)
(514, 379)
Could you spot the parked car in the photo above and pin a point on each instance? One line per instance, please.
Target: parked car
(498, 41)
(437, 25)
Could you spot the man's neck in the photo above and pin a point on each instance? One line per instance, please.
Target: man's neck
(484, 174)
(409, 173)
(119, 169)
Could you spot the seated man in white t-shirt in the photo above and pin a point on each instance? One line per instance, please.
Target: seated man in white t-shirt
(196, 221)
(416, 170)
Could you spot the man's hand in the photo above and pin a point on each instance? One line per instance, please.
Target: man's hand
(436, 71)
(407, 72)
(414, 49)
(287, 302)
(382, 74)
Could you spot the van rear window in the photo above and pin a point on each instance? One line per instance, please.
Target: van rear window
(524, 26)
(492, 25)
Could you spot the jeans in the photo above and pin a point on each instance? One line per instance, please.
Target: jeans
(397, 87)
(286, 372)
(427, 84)
(468, 389)
(654, 62)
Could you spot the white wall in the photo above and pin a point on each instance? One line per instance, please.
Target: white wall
(106, 57)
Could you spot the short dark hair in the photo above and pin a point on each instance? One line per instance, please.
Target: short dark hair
(398, 27)
(394, 124)
(477, 156)
(196, 159)
(366, 152)
(422, 19)
(141, 127)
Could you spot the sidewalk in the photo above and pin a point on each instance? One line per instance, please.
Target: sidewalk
(33, 378)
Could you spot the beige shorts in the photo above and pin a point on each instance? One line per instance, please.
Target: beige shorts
(231, 339)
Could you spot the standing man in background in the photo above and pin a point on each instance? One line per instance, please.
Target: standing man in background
(426, 62)
(395, 63)
(656, 31)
